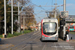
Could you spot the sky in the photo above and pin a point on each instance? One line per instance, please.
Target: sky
(40, 12)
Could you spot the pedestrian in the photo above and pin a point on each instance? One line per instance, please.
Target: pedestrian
(67, 35)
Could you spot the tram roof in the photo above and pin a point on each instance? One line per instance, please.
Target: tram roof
(50, 18)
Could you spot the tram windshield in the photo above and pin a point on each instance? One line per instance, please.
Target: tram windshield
(49, 27)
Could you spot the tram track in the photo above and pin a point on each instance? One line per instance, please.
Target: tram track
(31, 42)
(23, 42)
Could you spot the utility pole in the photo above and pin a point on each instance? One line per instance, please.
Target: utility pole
(19, 28)
(55, 5)
(11, 16)
(5, 18)
(64, 8)
(23, 23)
(55, 10)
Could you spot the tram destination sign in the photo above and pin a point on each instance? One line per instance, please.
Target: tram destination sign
(64, 14)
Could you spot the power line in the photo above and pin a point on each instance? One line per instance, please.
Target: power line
(55, 1)
(37, 6)
(30, 14)
(51, 4)
(47, 2)
(28, 11)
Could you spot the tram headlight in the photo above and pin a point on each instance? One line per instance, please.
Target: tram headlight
(42, 36)
(56, 35)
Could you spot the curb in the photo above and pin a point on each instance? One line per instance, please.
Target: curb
(13, 37)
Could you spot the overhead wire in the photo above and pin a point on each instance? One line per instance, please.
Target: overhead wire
(51, 4)
(47, 2)
(37, 6)
(55, 1)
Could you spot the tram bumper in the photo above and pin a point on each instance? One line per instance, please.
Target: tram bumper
(50, 38)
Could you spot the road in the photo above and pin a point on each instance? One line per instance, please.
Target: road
(72, 35)
(31, 41)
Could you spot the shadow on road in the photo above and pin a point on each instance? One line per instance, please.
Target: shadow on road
(48, 40)
(31, 45)
(72, 36)
(1, 42)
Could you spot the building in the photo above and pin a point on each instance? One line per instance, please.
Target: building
(70, 20)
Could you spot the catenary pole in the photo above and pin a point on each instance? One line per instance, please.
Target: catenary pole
(55, 9)
(23, 23)
(5, 18)
(11, 16)
(19, 28)
(64, 5)
(64, 9)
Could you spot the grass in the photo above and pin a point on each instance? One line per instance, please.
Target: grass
(10, 35)
(16, 33)
(1, 36)
(27, 31)
(72, 32)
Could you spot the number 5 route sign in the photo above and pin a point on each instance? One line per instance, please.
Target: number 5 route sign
(64, 14)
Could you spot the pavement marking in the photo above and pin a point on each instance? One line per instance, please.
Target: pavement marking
(36, 38)
(55, 45)
(25, 47)
(66, 46)
(43, 47)
(35, 33)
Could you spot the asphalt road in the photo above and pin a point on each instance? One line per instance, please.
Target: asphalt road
(31, 41)
(72, 35)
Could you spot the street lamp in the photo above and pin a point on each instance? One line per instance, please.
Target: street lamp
(19, 28)
(11, 16)
(5, 18)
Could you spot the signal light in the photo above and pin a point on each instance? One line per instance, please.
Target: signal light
(62, 22)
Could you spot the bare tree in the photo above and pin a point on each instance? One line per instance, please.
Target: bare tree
(29, 15)
(23, 2)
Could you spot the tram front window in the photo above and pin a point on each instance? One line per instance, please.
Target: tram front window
(49, 28)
